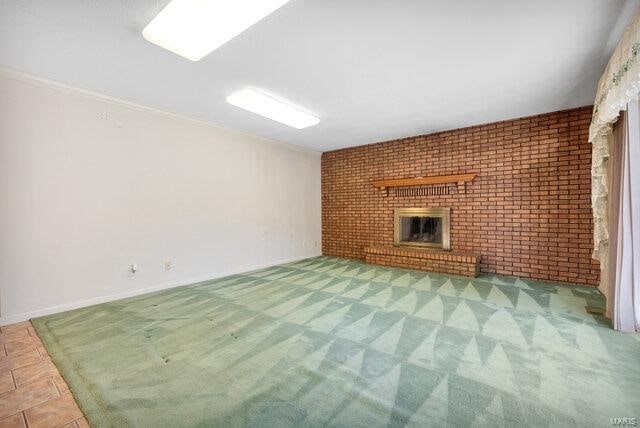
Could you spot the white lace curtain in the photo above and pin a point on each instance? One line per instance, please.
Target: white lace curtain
(619, 84)
(624, 254)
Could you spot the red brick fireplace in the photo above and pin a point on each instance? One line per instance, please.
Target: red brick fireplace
(526, 213)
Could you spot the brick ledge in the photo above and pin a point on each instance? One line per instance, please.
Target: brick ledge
(420, 253)
(451, 262)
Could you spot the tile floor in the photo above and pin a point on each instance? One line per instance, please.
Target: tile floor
(32, 392)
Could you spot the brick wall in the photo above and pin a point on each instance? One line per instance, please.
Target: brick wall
(527, 212)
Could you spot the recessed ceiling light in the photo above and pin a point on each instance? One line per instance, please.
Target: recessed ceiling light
(195, 28)
(272, 108)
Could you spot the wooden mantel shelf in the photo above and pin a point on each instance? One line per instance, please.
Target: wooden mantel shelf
(459, 179)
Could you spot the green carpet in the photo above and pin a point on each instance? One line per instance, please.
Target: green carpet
(334, 342)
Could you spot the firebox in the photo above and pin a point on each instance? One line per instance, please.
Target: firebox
(422, 227)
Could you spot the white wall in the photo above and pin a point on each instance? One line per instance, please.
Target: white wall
(89, 185)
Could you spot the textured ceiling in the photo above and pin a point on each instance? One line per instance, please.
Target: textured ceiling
(372, 70)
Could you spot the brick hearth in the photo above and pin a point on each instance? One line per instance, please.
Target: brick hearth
(451, 262)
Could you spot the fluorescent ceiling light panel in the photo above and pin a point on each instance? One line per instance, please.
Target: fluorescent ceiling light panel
(272, 108)
(195, 28)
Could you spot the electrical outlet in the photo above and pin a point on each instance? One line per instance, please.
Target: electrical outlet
(133, 268)
(315, 244)
(168, 265)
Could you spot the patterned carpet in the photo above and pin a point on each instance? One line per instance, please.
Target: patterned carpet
(334, 342)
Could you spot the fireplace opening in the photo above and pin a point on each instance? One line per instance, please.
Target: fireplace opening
(422, 227)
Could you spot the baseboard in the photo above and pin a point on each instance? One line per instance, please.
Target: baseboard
(11, 319)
